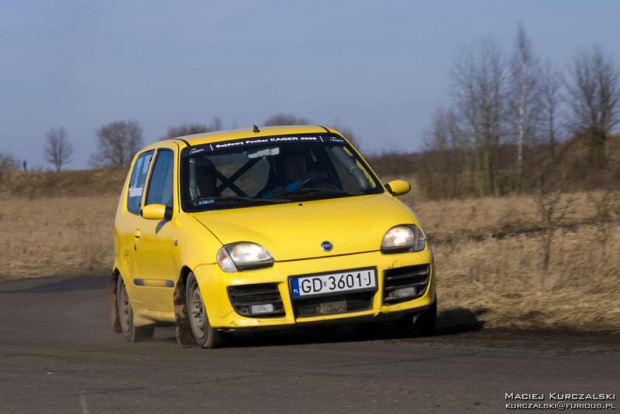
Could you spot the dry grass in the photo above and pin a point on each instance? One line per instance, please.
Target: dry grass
(50, 184)
(489, 258)
(503, 280)
(58, 223)
(56, 236)
(482, 217)
(488, 254)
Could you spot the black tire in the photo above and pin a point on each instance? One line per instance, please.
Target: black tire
(115, 323)
(422, 324)
(205, 335)
(130, 331)
(404, 326)
(425, 322)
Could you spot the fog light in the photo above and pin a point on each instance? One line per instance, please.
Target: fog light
(402, 293)
(259, 309)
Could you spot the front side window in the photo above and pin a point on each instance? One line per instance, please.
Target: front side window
(160, 189)
(270, 170)
(136, 182)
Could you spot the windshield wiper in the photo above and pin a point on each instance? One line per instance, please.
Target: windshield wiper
(317, 191)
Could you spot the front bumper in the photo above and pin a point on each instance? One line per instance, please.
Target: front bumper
(215, 283)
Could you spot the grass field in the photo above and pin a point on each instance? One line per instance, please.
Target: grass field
(56, 236)
(489, 252)
(489, 258)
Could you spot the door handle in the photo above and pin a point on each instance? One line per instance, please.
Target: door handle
(136, 234)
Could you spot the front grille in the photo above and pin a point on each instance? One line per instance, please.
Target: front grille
(248, 298)
(405, 283)
(331, 305)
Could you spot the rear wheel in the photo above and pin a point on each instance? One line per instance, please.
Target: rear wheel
(205, 335)
(131, 332)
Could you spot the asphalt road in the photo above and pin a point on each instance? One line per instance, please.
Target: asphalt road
(58, 355)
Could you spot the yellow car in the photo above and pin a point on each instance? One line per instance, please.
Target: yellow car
(260, 229)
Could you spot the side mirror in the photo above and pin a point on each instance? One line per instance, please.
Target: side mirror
(156, 212)
(398, 187)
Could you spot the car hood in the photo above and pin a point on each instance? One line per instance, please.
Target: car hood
(296, 230)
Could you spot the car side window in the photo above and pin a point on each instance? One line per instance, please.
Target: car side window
(136, 182)
(160, 189)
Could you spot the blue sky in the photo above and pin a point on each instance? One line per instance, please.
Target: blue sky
(377, 67)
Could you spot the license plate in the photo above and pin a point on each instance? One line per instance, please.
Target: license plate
(347, 281)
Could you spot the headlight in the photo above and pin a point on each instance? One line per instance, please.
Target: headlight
(403, 239)
(244, 255)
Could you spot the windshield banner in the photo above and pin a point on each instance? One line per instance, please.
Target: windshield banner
(249, 142)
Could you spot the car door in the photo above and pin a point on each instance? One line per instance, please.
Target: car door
(128, 219)
(157, 264)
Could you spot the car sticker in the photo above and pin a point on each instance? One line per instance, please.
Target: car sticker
(135, 192)
(259, 141)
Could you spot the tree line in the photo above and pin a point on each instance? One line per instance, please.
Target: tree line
(117, 142)
(516, 122)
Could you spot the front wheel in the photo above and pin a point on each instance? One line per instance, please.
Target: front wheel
(205, 335)
(131, 332)
(422, 324)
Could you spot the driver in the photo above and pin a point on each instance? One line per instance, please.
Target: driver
(205, 177)
(296, 174)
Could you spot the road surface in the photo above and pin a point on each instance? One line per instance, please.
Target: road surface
(58, 355)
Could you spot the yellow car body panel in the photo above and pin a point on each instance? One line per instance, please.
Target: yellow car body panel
(152, 256)
(322, 219)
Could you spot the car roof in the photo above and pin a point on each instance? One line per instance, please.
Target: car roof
(236, 134)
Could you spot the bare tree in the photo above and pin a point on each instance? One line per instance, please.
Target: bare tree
(551, 82)
(479, 84)
(117, 143)
(216, 124)
(8, 163)
(58, 150)
(445, 166)
(607, 205)
(595, 92)
(524, 99)
(186, 129)
(553, 208)
(190, 129)
(285, 119)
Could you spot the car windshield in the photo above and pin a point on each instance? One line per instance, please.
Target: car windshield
(272, 170)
